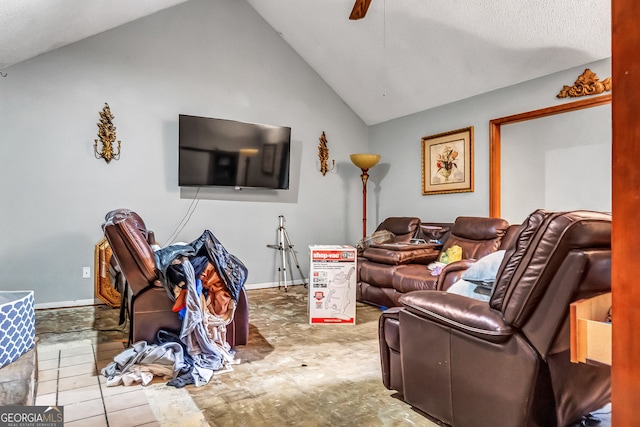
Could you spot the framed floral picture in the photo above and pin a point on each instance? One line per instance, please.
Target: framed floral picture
(447, 162)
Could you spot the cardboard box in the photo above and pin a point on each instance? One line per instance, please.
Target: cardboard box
(590, 332)
(332, 285)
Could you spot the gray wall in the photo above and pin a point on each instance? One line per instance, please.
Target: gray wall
(560, 162)
(398, 178)
(215, 59)
(210, 58)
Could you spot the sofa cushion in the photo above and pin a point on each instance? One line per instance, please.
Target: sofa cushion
(380, 275)
(129, 238)
(435, 231)
(476, 236)
(404, 228)
(412, 277)
(376, 295)
(478, 228)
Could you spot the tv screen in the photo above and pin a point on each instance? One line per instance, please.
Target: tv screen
(228, 153)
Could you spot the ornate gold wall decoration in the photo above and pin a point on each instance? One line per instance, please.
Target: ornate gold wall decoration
(587, 84)
(104, 288)
(323, 155)
(107, 135)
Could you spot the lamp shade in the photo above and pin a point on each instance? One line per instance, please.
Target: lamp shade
(365, 160)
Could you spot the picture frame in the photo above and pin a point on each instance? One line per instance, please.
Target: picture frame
(103, 287)
(447, 162)
(268, 158)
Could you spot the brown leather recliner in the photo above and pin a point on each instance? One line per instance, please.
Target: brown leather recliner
(145, 299)
(506, 362)
(115, 273)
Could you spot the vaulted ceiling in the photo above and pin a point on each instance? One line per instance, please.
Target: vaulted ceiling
(405, 56)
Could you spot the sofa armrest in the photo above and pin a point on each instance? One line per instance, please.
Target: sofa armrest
(391, 337)
(467, 315)
(451, 273)
(238, 329)
(389, 343)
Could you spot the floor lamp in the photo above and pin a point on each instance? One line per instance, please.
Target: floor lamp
(365, 162)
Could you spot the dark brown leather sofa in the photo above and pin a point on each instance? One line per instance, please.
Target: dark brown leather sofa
(506, 362)
(384, 274)
(145, 299)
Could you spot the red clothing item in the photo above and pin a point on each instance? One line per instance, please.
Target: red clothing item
(219, 297)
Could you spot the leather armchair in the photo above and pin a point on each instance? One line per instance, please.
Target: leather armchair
(506, 362)
(115, 273)
(145, 299)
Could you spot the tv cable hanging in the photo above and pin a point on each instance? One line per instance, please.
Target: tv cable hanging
(285, 247)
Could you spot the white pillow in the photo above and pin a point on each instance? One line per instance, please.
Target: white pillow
(470, 290)
(483, 272)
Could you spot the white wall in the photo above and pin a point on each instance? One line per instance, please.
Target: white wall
(214, 58)
(398, 177)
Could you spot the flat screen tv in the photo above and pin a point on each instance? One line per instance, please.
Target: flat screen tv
(228, 153)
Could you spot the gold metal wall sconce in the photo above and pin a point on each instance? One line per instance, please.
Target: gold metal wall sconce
(323, 155)
(107, 136)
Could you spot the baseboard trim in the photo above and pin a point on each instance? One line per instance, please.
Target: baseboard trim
(85, 302)
(272, 284)
(65, 304)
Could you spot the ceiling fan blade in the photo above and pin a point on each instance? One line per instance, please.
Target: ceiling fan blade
(359, 9)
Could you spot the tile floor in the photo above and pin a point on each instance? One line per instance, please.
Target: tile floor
(69, 377)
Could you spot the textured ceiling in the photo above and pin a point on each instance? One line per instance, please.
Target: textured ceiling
(405, 56)
(31, 27)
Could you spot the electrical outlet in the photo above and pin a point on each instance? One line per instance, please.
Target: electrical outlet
(86, 272)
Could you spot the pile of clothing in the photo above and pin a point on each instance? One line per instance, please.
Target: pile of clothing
(204, 280)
